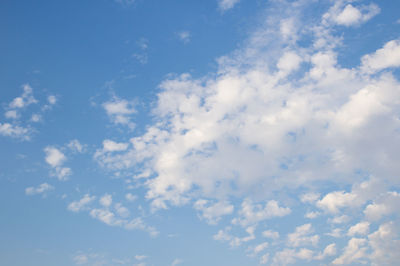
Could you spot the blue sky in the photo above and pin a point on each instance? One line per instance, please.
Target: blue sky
(219, 132)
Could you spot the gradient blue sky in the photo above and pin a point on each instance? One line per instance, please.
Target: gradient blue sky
(218, 132)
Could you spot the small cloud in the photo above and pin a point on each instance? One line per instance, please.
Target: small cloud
(125, 2)
(52, 99)
(80, 205)
(119, 111)
(184, 36)
(76, 146)
(140, 257)
(55, 158)
(43, 188)
(227, 4)
(176, 262)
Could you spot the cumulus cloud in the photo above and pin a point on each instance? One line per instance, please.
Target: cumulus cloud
(120, 111)
(278, 118)
(15, 131)
(355, 252)
(349, 15)
(41, 189)
(302, 236)
(385, 57)
(55, 158)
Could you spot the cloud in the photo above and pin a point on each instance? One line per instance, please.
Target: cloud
(386, 57)
(361, 228)
(55, 158)
(212, 212)
(176, 262)
(227, 4)
(350, 15)
(354, 252)
(76, 146)
(184, 36)
(41, 189)
(270, 234)
(253, 213)
(106, 200)
(302, 236)
(77, 206)
(25, 99)
(119, 111)
(279, 118)
(15, 131)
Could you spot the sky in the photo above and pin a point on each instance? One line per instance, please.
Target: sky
(216, 132)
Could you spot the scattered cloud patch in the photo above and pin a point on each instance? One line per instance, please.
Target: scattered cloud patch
(227, 4)
(41, 189)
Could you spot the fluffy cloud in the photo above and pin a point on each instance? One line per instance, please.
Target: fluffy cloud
(354, 252)
(10, 130)
(302, 236)
(119, 111)
(387, 56)
(277, 118)
(349, 15)
(55, 158)
(360, 229)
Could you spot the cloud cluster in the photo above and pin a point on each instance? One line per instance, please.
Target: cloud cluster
(281, 117)
(18, 126)
(111, 214)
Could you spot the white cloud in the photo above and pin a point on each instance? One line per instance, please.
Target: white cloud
(120, 111)
(270, 234)
(110, 146)
(140, 257)
(43, 188)
(52, 99)
(130, 197)
(80, 259)
(55, 158)
(76, 146)
(11, 114)
(387, 56)
(77, 206)
(354, 252)
(36, 117)
(385, 205)
(302, 236)
(260, 247)
(25, 99)
(212, 212)
(15, 131)
(227, 4)
(106, 200)
(330, 250)
(385, 244)
(361, 228)
(176, 262)
(253, 213)
(184, 36)
(350, 15)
